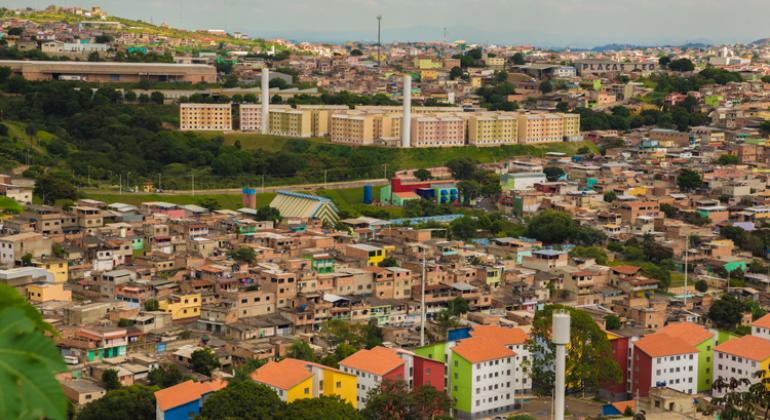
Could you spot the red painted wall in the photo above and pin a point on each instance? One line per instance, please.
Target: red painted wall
(620, 355)
(642, 373)
(397, 186)
(396, 374)
(428, 372)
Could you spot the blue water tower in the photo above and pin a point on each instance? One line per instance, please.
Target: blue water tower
(368, 194)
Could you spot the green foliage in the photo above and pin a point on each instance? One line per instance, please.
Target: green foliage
(612, 322)
(610, 196)
(244, 370)
(54, 186)
(681, 65)
(301, 350)
(423, 174)
(663, 61)
(28, 362)
(555, 227)
(166, 375)
(389, 262)
(553, 173)
(203, 361)
(495, 95)
(701, 286)
(110, 379)
(595, 252)
(393, 400)
(243, 253)
(726, 312)
(546, 87)
(518, 59)
(590, 362)
(242, 400)
(455, 73)
(268, 213)
(728, 160)
(324, 407)
(689, 180)
(136, 402)
(151, 305)
(9, 205)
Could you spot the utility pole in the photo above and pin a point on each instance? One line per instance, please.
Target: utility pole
(686, 252)
(379, 43)
(193, 183)
(325, 170)
(422, 301)
(120, 183)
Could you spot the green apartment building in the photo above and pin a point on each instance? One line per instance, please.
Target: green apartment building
(704, 341)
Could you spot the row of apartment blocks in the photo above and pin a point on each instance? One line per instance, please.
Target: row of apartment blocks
(382, 125)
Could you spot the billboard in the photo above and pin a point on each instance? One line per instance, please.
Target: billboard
(608, 66)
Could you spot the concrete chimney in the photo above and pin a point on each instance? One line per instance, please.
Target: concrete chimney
(406, 125)
(560, 337)
(265, 100)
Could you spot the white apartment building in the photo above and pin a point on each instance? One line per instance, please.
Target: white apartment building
(205, 117)
(741, 358)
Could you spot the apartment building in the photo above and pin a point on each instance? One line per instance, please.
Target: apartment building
(660, 360)
(492, 129)
(205, 117)
(364, 128)
(571, 123)
(294, 379)
(14, 247)
(540, 127)
(250, 116)
(290, 122)
(182, 306)
(437, 131)
(320, 117)
(372, 367)
(704, 341)
(741, 358)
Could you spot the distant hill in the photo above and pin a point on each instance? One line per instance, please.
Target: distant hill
(763, 41)
(617, 47)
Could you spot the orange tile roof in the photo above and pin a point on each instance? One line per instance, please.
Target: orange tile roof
(763, 322)
(479, 349)
(185, 392)
(659, 345)
(626, 269)
(378, 361)
(622, 405)
(748, 347)
(692, 334)
(503, 335)
(285, 374)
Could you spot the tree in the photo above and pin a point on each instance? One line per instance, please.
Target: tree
(268, 213)
(243, 253)
(356, 53)
(612, 322)
(458, 306)
(157, 97)
(209, 203)
(26, 260)
(518, 59)
(231, 81)
(389, 262)
(204, 361)
(166, 375)
(136, 402)
(689, 180)
(728, 160)
(423, 174)
(242, 400)
(462, 168)
(727, 311)
(54, 186)
(393, 400)
(244, 370)
(701, 286)
(301, 350)
(553, 173)
(546, 87)
(590, 363)
(455, 73)
(151, 305)
(324, 407)
(29, 362)
(110, 379)
(551, 227)
(664, 60)
(463, 228)
(681, 65)
(610, 196)
(595, 252)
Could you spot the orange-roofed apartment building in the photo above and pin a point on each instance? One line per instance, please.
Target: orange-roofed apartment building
(184, 401)
(294, 379)
(761, 327)
(372, 367)
(486, 369)
(741, 358)
(662, 360)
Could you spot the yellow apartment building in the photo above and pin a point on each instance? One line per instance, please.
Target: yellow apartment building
(182, 306)
(540, 127)
(290, 122)
(46, 292)
(571, 126)
(493, 129)
(205, 117)
(57, 267)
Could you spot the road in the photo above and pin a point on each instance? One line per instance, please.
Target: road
(540, 408)
(274, 188)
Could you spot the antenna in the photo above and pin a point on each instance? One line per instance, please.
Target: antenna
(379, 41)
(444, 34)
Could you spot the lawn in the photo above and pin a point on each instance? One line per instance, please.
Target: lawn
(256, 141)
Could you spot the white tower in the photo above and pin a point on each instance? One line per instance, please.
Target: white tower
(265, 100)
(560, 334)
(406, 125)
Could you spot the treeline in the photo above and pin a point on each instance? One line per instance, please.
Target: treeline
(681, 117)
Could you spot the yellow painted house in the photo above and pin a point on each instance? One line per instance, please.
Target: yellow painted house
(293, 379)
(182, 306)
(57, 267)
(46, 292)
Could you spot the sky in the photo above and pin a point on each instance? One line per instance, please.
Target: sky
(550, 23)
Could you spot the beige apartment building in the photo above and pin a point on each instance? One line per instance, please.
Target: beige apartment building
(364, 128)
(320, 117)
(250, 117)
(205, 117)
(438, 131)
(290, 122)
(540, 127)
(571, 127)
(493, 129)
